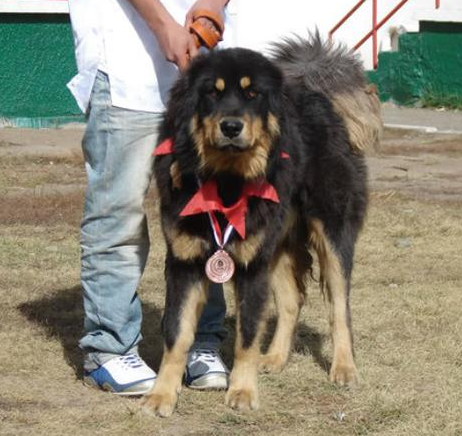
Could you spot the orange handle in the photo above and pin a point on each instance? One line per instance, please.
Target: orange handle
(214, 18)
(204, 35)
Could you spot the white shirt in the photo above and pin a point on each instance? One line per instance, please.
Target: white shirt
(111, 36)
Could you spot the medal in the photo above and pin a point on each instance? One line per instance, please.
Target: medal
(219, 267)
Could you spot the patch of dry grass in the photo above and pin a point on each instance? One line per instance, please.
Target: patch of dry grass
(43, 210)
(32, 171)
(406, 319)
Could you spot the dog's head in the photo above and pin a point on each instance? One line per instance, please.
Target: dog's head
(228, 105)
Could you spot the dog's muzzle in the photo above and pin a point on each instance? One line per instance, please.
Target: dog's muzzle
(231, 127)
(231, 135)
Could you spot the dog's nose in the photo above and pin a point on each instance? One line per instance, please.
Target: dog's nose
(231, 127)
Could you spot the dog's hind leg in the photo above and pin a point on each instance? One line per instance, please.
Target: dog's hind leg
(186, 295)
(288, 296)
(335, 274)
(251, 304)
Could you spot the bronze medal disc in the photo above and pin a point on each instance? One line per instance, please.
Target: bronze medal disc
(219, 267)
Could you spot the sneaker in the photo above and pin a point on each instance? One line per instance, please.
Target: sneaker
(206, 370)
(122, 375)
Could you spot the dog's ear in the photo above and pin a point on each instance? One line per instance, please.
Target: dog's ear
(182, 103)
(275, 98)
(184, 98)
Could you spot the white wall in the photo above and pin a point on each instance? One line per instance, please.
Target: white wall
(258, 22)
(34, 6)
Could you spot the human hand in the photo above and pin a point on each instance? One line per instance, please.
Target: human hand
(175, 41)
(214, 6)
(177, 44)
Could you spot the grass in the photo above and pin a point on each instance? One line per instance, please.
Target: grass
(30, 172)
(436, 100)
(406, 319)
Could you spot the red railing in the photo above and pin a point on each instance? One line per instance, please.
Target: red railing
(375, 25)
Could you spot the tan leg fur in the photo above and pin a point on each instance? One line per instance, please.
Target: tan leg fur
(343, 370)
(288, 299)
(164, 395)
(242, 393)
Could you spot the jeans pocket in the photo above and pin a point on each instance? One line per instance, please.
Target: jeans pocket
(95, 143)
(95, 140)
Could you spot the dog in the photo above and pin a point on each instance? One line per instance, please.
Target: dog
(260, 163)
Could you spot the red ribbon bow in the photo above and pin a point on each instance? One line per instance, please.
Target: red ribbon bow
(207, 200)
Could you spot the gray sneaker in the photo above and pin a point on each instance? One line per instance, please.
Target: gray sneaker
(206, 370)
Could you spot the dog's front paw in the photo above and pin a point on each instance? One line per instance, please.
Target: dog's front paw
(242, 399)
(272, 363)
(160, 404)
(344, 374)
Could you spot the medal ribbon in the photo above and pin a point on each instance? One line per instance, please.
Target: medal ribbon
(216, 227)
(217, 231)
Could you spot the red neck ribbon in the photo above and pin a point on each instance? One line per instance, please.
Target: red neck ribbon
(207, 200)
(166, 147)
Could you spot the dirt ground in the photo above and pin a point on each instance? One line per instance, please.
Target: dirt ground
(424, 165)
(405, 304)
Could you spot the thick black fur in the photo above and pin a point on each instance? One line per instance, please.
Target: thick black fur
(324, 178)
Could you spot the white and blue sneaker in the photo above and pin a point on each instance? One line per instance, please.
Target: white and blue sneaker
(122, 375)
(206, 370)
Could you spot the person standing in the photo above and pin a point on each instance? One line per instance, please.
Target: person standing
(129, 54)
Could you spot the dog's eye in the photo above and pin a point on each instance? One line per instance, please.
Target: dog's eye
(250, 94)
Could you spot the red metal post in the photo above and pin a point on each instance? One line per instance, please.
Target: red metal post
(348, 15)
(437, 4)
(381, 23)
(374, 35)
(375, 25)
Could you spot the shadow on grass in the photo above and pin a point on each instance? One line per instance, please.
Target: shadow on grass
(61, 316)
(310, 341)
(307, 341)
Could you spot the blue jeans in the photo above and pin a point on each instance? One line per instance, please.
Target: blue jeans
(117, 147)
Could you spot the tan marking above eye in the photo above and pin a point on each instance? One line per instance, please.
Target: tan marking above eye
(245, 82)
(220, 84)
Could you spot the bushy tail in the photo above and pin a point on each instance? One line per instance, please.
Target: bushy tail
(333, 70)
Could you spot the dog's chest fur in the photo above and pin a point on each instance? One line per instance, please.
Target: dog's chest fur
(263, 221)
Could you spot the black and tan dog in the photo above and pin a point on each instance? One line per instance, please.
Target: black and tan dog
(274, 148)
